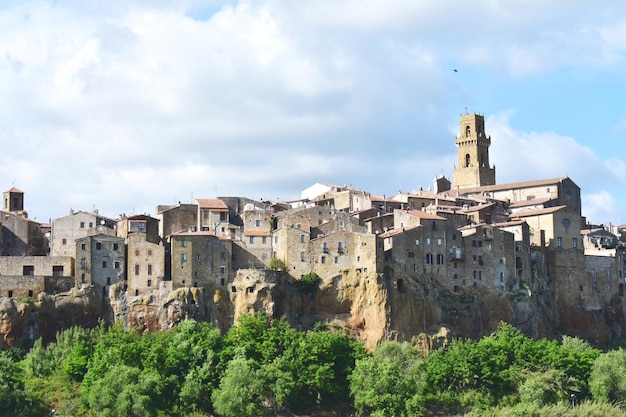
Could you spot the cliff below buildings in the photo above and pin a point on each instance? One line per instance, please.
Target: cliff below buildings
(371, 308)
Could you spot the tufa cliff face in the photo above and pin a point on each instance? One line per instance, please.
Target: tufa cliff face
(369, 307)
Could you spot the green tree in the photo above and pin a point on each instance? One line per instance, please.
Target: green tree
(387, 383)
(608, 377)
(126, 391)
(238, 391)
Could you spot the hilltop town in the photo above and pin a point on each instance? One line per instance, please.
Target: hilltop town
(460, 257)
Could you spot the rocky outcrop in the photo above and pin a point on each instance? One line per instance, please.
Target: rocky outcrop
(369, 307)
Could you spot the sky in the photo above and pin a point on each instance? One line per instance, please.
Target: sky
(124, 105)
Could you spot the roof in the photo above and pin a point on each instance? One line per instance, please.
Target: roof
(424, 215)
(479, 207)
(393, 232)
(531, 202)
(517, 222)
(212, 204)
(502, 187)
(377, 198)
(14, 190)
(256, 233)
(537, 212)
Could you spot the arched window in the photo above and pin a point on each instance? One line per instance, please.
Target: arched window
(467, 160)
(468, 130)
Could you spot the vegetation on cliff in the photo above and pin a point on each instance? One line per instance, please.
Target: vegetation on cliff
(265, 367)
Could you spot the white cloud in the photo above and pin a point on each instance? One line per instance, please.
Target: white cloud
(133, 104)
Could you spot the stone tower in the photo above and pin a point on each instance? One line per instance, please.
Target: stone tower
(473, 168)
(13, 200)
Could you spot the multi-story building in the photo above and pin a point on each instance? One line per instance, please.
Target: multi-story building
(78, 224)
(200, 259)
(101, 262)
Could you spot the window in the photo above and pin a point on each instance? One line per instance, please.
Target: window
(222, 255)
(116, 265)
(574, 242)
(340, 247)
(10, 293)
(325, 247)
(198, 258)
(108, 280)
(149, 283)
(222, 270)
(417, 242)
(428, 241)
(429, 258)
(439, 242)
(136, 252)
(82, 225)
(83, 279)
(340, 223)
(136, 269)
(98, 245)
(104, 264)
(480, 243)
(323, 259)
(223, 216)
(136, 293)
(480, 259)
(64, 241)
(301, 238)
(439, 259)
(251, 239)
(257, 223)
(302, 256)
(593, 273)
(83, 263)
(28, 270)
(264, 240)
(82, 246)
(115, 246)
(336, 259)
(183, 243)
(183, 256)
(411, 254)
(559, 242)
(90, 224)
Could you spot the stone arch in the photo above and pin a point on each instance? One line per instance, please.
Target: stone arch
(467, 160)
(401, 286)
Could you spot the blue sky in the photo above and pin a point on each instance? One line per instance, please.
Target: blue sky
(126, 105)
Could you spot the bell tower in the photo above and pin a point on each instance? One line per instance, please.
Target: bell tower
(472, 144)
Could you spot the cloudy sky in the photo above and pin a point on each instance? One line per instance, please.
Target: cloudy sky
(124, 105)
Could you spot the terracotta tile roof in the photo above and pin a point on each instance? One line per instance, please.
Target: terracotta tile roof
(197, 233)
(380, 199)
(509, 223)
(513, 185)
(479, 207)
(531, 202)
(537, 212)
(256, 232)
(424, 215)
(213, 204)
(393, 232)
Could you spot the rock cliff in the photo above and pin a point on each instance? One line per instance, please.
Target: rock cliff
(369, 306)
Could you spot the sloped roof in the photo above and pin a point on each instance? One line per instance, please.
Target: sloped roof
(537, 212)
(513, 185)
(213, 204)
(424, 215)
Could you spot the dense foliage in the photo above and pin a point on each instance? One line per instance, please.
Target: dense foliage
(266, 367)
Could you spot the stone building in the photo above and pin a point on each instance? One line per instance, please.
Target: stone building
(139, 224)
(20, 236)
(473, 169)
(176, 219)
(101, 262)
(200, 259)
(213, 216)
(78, 224)
(146, 264)
(27, 276)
